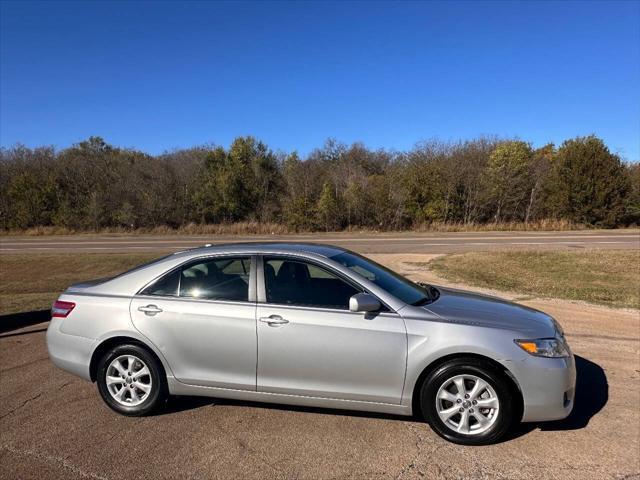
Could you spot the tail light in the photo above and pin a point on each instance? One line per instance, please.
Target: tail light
(62, 309)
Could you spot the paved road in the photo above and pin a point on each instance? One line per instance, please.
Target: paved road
(365, 243)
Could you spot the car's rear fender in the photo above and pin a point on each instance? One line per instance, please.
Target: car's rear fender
(96, 315)
(100, 319)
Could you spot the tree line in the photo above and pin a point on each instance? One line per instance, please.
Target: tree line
(93, 185)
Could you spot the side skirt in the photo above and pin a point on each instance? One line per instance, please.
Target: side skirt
(178, 388)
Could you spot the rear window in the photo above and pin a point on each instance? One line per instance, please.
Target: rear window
(143, 265)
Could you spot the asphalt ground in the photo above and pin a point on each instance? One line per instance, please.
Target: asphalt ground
(54, 425)
(362, 242)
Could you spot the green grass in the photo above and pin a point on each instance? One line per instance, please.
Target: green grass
(33, 282)
(606, 277)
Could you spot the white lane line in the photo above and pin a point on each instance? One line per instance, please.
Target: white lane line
(555, 239)
(132, 247)
(522, 243)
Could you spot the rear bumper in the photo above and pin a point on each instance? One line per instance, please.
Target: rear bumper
(69, 352)
(548, 387)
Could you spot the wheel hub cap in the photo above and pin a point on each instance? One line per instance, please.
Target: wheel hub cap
(128, 380)
(467, 404)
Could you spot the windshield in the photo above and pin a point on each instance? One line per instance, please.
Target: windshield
(395, 284)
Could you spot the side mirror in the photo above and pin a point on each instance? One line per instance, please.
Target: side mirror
(363, 302)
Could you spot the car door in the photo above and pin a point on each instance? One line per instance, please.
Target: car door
(310, 344)
(201, 316)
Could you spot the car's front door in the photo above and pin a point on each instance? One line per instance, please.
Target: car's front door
(310, 344)
(202, 318)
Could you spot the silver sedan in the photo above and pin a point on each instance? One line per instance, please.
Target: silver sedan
(315, 325)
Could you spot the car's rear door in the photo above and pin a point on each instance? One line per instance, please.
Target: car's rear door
(201, 316)
(310, 344)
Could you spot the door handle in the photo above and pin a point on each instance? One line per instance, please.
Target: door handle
(150, 310)
(273, 320)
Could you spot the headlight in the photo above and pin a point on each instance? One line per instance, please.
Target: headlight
(545, 347)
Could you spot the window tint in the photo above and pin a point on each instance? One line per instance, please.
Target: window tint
(395, 284)
(144, 265)
(216, 279)
(291, 282)
(165, 286)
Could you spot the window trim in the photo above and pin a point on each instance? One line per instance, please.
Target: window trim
(344, 311)
(262, 288)
(198, 300)
(251, 295)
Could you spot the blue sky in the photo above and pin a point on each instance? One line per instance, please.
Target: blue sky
(158, 76)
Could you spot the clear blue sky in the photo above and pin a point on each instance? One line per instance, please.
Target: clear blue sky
(157, 76)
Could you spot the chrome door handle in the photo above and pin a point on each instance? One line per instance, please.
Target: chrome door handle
(273, 320)
(150, 310)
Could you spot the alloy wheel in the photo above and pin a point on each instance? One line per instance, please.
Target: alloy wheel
(128, 380)
(467, 404)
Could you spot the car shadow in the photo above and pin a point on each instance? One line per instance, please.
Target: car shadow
(183, 403)
(15, 321)
(19, 334)
(592, 393)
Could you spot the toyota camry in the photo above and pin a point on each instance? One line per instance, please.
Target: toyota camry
(314, 325)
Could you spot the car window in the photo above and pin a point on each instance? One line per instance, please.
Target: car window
(210, 279)
(217, 279)
(143, 265)
(395, 284)
(166, 286)
(293, 282)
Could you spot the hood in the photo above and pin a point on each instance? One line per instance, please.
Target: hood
(458, 306)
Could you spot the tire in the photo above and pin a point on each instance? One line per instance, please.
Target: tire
(137, 384)
(457, 418)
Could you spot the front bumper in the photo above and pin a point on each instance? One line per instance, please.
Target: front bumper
(69, 352)
(548, 387)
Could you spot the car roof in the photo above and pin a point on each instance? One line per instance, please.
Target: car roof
(267, 247)
(131, 281)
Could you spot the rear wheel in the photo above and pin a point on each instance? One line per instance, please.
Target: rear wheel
(468, 401)
(130, 380)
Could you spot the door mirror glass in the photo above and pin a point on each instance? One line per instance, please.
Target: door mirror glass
(363, 302)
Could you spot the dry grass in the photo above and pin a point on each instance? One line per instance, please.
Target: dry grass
(240, 228)
(607, 277)
(258, 228)
(549, 225)
(33, 282)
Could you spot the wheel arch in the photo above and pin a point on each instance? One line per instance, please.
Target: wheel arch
(435, 364)
(113, 342)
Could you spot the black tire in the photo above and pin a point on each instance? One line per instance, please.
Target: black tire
(497, 379)
(156, 378)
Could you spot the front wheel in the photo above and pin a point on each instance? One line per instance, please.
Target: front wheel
(130, 380)
(468, 401)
